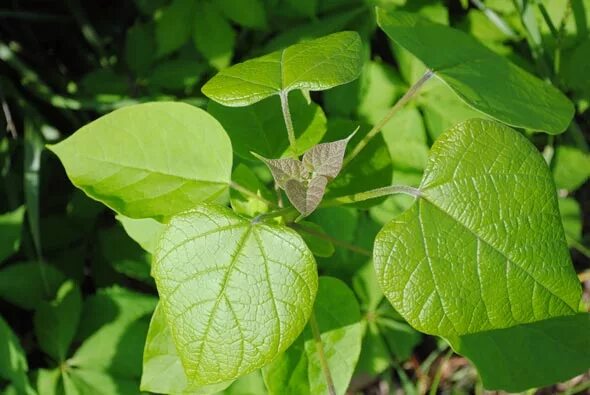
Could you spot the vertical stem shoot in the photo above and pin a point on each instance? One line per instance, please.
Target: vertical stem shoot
(320, 347)
(379, 125)
(288, 122)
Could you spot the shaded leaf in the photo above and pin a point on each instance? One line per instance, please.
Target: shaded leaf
(56, 322)
(483, 79)
(11, 228)
(27, 284)
(261, 127)
(531, 355)
(13, 362)
(213, 35)
(173, 26)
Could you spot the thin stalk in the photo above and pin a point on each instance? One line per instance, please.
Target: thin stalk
(281, 212)
(495, 19)
(333, 240)
(439, 373)
(288, 122)
(323, 361)
(581, 248)
(372, 194)
(249, 193)
(379, 125)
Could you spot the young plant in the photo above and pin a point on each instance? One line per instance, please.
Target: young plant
(480, 257)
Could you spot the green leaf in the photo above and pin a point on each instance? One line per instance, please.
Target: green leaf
(176, 74)
(13, 362)
(174, 26)
(406, 140)
(482, 247)
(532, 355)
(326, 159)
(571, 218)
(298, 370)
(253, 16)
(112, 330)
(144, 231)
(370, 169)
(260, 282)
(56, 322)
(571, 167)
(306, 196)
(27, 284)
(311, 234)
(483, 79)
(442, 108)
(313, 65)
(140, 47)
(162, 369)
(128, 258)
(213, 35)
(261, 128)
(10, 228)
(149, 160)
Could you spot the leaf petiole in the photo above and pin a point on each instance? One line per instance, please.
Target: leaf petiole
(249, 193)
(288, 121)
(379, 125)
(372, 194)
(322, 356)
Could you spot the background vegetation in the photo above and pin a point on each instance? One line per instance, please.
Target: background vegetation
(64, 63)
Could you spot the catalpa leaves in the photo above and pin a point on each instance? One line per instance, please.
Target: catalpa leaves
(305, 181)
(314, 65)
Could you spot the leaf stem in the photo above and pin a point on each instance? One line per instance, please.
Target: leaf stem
(249, 193)
(320, 347)
(288, 121)
(495, 19)
(372, 194)
(333, 240)
(379, 125)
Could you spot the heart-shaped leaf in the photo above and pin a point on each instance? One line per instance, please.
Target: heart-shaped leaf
(150, 160)
(326, 159)
(313, 65)
(306, 197)
(235, 293)
(483, 247)
(483, 79)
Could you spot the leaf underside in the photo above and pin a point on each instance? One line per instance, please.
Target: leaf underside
(235, 293)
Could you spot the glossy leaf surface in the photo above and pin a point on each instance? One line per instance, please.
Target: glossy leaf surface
(483, 246)
(312, 65)
(483, 79)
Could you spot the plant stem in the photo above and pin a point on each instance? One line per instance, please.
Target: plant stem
(281, 212)
(333, 240)
(320, 347)
(249, 193)
(379, 125)
(372, 194)
(495, 19)
(288, 122)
